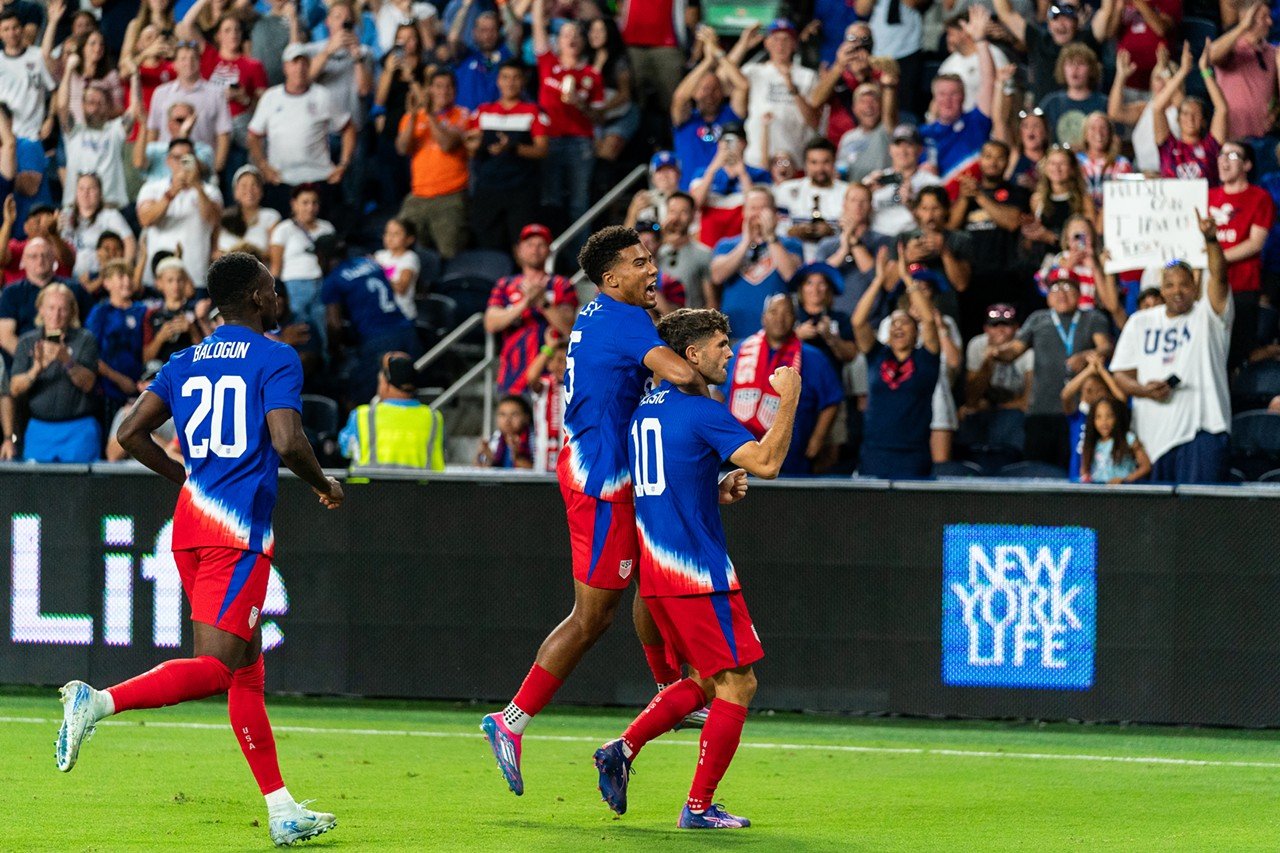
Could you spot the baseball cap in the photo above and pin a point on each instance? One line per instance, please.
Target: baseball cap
(1057, 10)
(294, 51)
(1001, 312)
(780, 25)
(830, 273)
(872, 89)
(733, 128)
(907, 133)
(401, 373)
(1063, 275)
(662, 160)
(533, 229)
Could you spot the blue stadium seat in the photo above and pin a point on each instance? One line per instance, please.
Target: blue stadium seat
(432, 268)
(1255, 385)
(1255, 443)
(954, 469)
(1272, 476)
(1029, 470)
(991, 439)
(480, 263)
(1194, 32)
(437, 314)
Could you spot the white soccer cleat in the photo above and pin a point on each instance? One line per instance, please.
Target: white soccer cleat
(301, 824)
(78, 718)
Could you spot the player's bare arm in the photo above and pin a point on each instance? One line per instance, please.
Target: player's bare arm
(147, 415)
(295, 452)
(665, 364)
(764, 458)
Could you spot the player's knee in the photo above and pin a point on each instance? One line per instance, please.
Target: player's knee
(592, 622)
(736, 687)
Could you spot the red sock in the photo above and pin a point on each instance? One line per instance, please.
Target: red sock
(663, 671)
(536, 691)
(720, 738)
(252, 729)
(667, 708)
(173, 681)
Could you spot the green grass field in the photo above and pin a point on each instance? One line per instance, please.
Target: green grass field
(404, 776)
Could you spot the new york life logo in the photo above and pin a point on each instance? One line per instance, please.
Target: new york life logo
(1019, 606)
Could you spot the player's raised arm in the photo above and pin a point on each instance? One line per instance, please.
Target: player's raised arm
(295, 452)
(764, 458)
(134, 435)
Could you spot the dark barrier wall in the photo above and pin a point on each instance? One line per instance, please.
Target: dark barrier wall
(445, 589)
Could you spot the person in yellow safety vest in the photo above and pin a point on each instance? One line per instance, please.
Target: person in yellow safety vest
(394, 430)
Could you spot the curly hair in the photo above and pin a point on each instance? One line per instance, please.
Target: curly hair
(231, 278)
(600, 253)
(686, 327)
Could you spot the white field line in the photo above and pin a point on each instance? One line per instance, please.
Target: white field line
(874, 750)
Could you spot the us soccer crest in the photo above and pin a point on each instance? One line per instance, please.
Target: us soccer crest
(624, 569)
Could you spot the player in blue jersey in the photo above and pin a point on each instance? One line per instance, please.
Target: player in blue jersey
(680, 437)
(235, 399)
(613, 350)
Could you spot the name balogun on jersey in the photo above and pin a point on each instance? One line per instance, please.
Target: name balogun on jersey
(220, 349)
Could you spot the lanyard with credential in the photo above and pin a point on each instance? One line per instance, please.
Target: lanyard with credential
(1069, 336)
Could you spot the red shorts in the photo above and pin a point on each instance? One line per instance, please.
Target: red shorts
(711, 633)
(226, 587)
(602, 535)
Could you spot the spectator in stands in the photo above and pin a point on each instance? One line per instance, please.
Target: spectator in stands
(394, 429)
(1060, 193)
(864, 147)
(55, 369)
(400, 264)
(224, 63)
(1098, 150)
(723, 187)
(1183, 424)
(86, 220)
(155, 16)
(269, 35)
(182, 211)
(545, 382)
(1245, 63)
(42, 223)
(94, 143)
(853, 250)
(356, 290)
(511, 445)
(30, 15)
(1081, 260)
(1044, 44)
(110, 248)
(294, 121)
(955, 136)
(1061, 335)
(964, 58)
(1111, 453)
(1193, 151)
(178, 321)
(893, 191)
(898, 30)
(247, 221)
(295, 261)
(1243, 214)
(213, 118)
(84, 60)
(152, 158)
(664, 181)
(403, 69)
(682, 257)
(620, 117)
(1079, 395)
(653, 31)
(779, 115)
(934, 247)
(1079, 73)
(390, 15)
(25, 80)
(19, 301)
(477, 65)
(746, 270)
(902, 378)
(570, 92)
(431, 136)
(991, 384)
(1141, 29)
(117, 325)
(522, 307)
(24, 176)
(817, 323)
(809, 207)
(1138, 113)
(840, 88)
(700, 109)
(507, 140)
(754, 403)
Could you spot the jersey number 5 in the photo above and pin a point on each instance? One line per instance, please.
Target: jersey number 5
(574, 337)
(650, 475)
(214, 399)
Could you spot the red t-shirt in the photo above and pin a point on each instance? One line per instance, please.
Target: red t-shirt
(1235, 215)
(521, 340)
(246, 71)
(1142, 42)
(649, 23)
(567, 119)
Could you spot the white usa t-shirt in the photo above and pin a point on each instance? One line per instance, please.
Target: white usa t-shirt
(25, 84)
(1191, 346)
(769, 94)
(297, 129)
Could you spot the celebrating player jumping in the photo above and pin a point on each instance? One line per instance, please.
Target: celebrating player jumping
(235, 399)
(679, 438)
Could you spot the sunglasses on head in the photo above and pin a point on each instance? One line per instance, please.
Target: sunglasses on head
(863, 42)
(1057, 11)
(1034, 112)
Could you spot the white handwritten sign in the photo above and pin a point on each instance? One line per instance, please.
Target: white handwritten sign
(1149, 222)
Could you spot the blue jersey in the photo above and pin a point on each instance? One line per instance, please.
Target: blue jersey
(603, 381)
(361, 287)
(678, 442)
(954, 148)
(219, 392)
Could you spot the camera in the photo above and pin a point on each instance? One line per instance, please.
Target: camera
(54, 337)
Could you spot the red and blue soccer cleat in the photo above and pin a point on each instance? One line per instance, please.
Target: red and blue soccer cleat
(615, 768)
(713, 818)
(506, 748)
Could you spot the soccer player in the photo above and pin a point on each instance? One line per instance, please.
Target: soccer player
(679, 438)
(235, 399)
(613, 350)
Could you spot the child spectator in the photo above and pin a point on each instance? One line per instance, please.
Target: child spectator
(1111, 453)
(172, 325)
(1079, 395)
(545, 378)
(510, 445)
(117, 325)
(401, 264)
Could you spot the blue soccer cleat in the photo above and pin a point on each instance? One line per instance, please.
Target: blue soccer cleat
(300, 824)
(615, 768)
(713, 818)
(506, 748)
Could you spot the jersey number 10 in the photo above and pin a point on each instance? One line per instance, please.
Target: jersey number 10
(214, 400)
(650, 475)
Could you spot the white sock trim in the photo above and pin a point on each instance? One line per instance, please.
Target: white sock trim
(515, 719)
(279, 800)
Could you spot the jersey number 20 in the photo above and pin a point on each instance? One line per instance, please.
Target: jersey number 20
(650, 475)
(228, 393)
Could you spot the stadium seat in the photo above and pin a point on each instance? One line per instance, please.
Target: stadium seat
(437, 314)
(1030, 470)
(1194, 32)
(991, 440)
(432, 268)
(1255, 385)
(470, 295)
(1272, 476)
(1255, 443)
(480, 263)
(320, 424)
(955, 469)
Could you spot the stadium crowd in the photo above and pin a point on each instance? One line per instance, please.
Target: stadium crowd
(900, 198)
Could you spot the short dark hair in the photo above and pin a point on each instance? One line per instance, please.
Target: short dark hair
(1246, 155)
(10, 13)
(686, 327)
(520, 401)
(1000, 144)
(106, 236)
(600, 252)
(303, 188)
(514, 64)
(442, 72)
(683, 196)
(231, 278)
(820, 143)
(939, 194)
(181, 140)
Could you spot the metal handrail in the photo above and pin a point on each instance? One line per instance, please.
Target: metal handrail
(585, 220)
(449, 340)
(485, 365)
